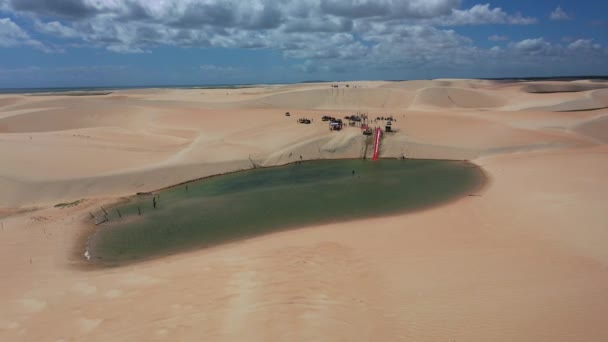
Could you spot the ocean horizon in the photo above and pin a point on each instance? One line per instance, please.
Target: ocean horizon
(41, 90)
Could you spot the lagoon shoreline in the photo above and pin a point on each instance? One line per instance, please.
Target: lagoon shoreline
(111, 218)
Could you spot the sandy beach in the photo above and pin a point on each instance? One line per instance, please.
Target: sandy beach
(523, 260)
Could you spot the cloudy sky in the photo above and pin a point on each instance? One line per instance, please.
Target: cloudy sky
(45, 43)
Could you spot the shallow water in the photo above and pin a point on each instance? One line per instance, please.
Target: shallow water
(249, 203)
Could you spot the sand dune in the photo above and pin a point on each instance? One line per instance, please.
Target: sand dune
(132, 131)
(562, 87)
(338, 99)
(450, 97)
(596, 127)
(591, 100)
(7, 101)
(70, 118)
(522, 259)
(452, 83)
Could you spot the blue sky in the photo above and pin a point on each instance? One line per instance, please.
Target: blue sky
(64, 43)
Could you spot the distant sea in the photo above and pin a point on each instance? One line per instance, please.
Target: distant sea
(237, 86)
(100, 89)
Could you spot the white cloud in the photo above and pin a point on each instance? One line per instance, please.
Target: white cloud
(583, 51)
(559, 14)
(484, 14)
(56, 28)
(586, 45)
(386, 8)
(322, 36)
(12, 35)
(122, 48)
(498, 38)
(533, 46)
(138, 25)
